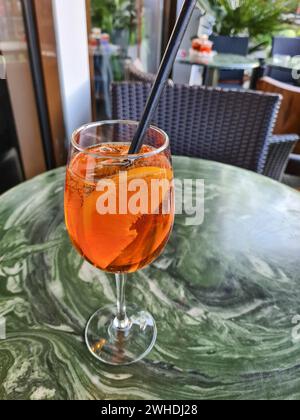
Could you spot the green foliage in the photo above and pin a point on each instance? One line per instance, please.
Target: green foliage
(126, 15)
(102, 14)
(112, 15)
(260, 19)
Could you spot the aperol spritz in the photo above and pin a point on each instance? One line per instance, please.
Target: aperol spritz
(119, 212)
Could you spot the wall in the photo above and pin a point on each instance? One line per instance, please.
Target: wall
(47, 41)
(73, 58)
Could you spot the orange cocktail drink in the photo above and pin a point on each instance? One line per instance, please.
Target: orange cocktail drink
(136, 220)
(119, 212)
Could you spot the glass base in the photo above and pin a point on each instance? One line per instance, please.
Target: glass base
(119, 347)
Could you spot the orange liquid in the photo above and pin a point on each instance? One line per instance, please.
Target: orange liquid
(117, 242)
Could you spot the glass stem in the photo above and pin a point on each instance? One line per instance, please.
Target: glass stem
(121, 321)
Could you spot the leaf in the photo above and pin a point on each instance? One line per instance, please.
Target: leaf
(255, 18)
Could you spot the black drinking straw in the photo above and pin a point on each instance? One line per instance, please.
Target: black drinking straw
(163, 74)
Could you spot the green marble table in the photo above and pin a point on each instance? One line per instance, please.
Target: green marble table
(225, 295)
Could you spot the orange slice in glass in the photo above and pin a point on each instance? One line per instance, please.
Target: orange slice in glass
(104, 237)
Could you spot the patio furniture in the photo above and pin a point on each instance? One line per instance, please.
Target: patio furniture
(220, 62)
(228, 126)
(225, 296)
(134, 74)
(231, 45)
(285, 46)
(288, 121)
(282, 69)
(282, 46)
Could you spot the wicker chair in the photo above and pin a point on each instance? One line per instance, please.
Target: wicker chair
(229, 126)
(231, 45)
(286, 46)
(134, 74)
(283, 46)
(289, 115)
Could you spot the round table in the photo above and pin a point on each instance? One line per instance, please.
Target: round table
(219, 62)
(225, 295)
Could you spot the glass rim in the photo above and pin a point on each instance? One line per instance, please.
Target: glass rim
(115, 122)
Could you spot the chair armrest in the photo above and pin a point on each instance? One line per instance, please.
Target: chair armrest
(279, 149)
(284, 138)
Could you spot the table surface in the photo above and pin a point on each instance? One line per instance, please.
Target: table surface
(225, 62)
(224, 295)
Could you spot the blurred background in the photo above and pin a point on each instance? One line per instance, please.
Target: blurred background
(58, 59)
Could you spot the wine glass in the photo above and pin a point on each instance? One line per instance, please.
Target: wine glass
(119, 212)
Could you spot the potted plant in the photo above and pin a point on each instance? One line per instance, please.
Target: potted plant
(259, 19)
(102, 13)
(118, 18)
(125, 21)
